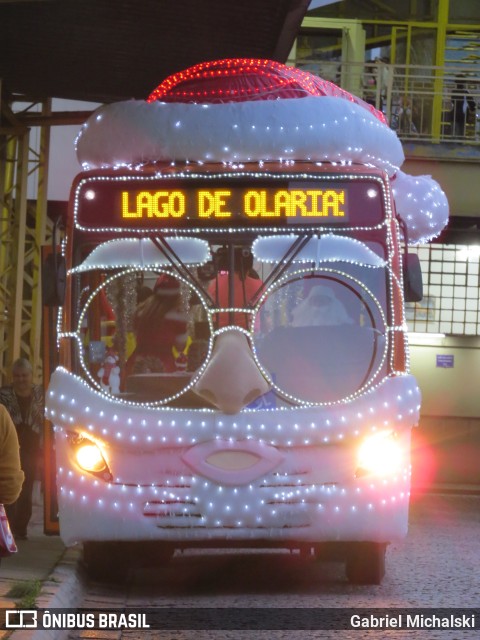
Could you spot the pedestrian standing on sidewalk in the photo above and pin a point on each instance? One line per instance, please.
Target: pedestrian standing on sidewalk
(11, 474)
(24, 402)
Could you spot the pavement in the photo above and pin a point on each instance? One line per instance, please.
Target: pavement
(42, 561)
(44, 558)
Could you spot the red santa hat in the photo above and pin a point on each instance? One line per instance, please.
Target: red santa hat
(240, 110)
(166, 285)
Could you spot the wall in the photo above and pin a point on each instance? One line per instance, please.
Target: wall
(446, 445)
(448, 391)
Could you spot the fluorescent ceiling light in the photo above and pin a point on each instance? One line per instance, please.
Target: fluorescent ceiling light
(314, 4)
(469, 252)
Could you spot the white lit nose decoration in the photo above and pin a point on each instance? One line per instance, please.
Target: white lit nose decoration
(233, 462)
(231, 379)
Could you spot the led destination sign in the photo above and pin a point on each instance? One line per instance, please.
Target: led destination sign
(166, 203)
(227, 203)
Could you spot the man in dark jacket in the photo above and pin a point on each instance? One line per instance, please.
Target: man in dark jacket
(25, 404)
(11, 474)
(463, 108)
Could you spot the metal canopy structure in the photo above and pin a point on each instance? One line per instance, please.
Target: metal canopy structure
(108, 50)
(95, 51)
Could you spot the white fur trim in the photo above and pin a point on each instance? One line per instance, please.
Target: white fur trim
(313, 128)
(422, 205)
(173, 314)
(318, 129)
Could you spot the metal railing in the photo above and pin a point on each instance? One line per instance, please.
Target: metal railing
(421, 103)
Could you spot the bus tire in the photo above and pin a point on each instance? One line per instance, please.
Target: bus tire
(154, 553)
(105, 561)
(365, 562)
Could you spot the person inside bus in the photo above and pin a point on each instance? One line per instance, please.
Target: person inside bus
(327, 351)
(320, 308)
(246, 283)
(198, 328)
(24, 402)
(160, 327)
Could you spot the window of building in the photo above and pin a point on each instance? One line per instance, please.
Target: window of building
(451, 301)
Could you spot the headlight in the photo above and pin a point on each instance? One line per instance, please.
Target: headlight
(88, 456)
(380, 454)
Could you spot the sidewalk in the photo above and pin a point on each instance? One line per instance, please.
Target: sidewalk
(40, 558)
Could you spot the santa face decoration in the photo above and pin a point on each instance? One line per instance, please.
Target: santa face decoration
(287, 409)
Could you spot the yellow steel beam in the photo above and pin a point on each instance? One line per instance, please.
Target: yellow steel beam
(19, 226)
(40, 232)
(23, 227)
(443, 12)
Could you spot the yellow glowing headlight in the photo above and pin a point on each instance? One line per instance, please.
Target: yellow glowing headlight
(88, 456)
(380, 454)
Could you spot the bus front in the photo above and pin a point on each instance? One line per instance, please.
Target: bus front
(269, 403)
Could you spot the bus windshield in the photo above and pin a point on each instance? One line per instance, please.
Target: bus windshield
(315, 317)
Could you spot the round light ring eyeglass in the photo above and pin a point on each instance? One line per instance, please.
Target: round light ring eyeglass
(320, 337)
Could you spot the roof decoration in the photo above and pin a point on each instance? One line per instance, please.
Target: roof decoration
(247, 110)
(247, 79)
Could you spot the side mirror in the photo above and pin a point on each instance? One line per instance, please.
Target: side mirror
(412, 277)
(54, 274)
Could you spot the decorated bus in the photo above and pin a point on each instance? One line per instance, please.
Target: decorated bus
(233, 357)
